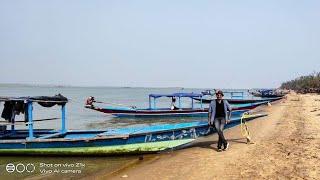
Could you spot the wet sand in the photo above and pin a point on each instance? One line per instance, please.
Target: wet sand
(286, 145)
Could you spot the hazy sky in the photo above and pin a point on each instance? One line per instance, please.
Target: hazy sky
(177, 43)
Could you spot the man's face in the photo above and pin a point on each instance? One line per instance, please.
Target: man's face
(219, 96)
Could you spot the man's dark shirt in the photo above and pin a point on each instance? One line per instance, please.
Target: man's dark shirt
(220, 110)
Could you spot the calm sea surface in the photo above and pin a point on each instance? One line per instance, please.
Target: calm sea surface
(80, 118)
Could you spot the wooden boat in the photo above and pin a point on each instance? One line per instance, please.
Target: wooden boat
(241, 101)
(131, 140)
(236, 97)
(153, 111)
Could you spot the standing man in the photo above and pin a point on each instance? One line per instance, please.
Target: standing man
(219, 116)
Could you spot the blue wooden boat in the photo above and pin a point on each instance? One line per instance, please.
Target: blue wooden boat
(240, 101)
(153, 111)
(238, 98)
(235, 97)
(132, 140)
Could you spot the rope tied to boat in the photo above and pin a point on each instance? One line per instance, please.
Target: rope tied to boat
(244, 128)
(91, 100)
(117, 104)
(27, 122)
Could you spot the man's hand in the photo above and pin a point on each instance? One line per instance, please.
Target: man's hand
(228, 121)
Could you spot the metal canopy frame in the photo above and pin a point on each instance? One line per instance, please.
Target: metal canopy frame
(29, 103)
(233, 94)
(30, 120)
(154, 97)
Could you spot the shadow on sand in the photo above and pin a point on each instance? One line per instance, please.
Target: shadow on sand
(213, 144)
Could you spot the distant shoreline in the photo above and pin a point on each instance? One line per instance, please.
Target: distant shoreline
(75, 86)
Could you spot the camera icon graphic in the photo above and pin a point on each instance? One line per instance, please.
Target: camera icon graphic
(20, 168)
(10, 168)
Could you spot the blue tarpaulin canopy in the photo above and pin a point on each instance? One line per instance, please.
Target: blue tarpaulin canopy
(191, 95)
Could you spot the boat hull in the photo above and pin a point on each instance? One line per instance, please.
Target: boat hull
(148, 113)
(138, 148)
(133, 140)
(242, 101)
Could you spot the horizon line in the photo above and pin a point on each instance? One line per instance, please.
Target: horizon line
(99, 86)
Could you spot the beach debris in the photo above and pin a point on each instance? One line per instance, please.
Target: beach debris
(280, 143)
(124, 176)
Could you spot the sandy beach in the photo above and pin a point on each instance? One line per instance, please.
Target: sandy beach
(286, 145)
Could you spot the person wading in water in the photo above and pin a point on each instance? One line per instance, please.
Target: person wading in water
(219, 116)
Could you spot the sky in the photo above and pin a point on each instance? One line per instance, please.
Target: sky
(167, 43)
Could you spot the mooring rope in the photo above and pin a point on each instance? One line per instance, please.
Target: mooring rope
(101, 102)
(27, 122)
(123, 105)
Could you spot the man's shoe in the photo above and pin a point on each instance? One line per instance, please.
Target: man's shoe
(226, 147)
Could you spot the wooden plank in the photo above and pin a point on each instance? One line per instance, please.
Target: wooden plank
(52, 135)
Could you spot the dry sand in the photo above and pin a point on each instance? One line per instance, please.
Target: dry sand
(286, 146)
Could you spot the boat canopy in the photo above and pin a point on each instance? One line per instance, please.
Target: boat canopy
(25, 105)
(232, 94)
(46, 101)
(190, 95)
(176, 95)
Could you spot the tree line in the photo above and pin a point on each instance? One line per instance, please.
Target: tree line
(304, 84)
